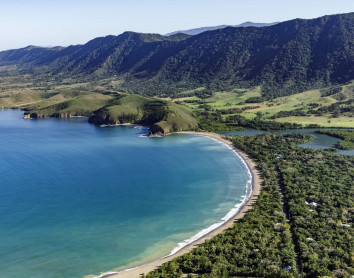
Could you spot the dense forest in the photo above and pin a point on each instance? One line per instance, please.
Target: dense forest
(285, 58)
(310, 235)
(212, 121)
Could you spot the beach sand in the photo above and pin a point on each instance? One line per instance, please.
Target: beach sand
(148, 267)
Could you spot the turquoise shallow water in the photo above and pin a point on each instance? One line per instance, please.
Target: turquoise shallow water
(76, 199)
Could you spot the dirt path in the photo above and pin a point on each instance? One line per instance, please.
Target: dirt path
(286, 212)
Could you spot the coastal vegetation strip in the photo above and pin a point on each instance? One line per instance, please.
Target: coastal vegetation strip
(254, 244)
(318, 194)
(318, 189)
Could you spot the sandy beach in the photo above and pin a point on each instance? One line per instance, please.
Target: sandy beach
(146, 268)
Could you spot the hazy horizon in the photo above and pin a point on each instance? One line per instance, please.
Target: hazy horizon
(63, 23)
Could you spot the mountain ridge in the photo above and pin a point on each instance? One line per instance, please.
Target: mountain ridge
(285, 58)
(196, 31)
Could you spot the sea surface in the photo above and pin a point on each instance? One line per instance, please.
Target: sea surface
(77, 199)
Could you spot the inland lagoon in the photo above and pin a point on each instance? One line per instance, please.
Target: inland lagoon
(77, 199)
(320, 141)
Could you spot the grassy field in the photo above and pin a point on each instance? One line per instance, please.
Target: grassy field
(324, 121)
(303, 101)
(288, 103)
(49, 97)
(24, 93)
(178, 119)
(81, 105)
(127, 108)
(222, 100)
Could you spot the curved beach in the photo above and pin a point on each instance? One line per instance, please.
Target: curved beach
(256, 187)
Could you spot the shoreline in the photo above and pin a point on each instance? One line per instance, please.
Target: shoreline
(255, 188)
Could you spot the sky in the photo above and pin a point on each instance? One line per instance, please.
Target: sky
(67, 22)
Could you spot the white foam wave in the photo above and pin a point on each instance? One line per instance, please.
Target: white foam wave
(141, 127)
(108, 125)
(106, 274)
(232, 213)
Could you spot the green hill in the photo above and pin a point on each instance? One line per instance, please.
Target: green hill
(81, 105)
(162, 116)
(103, 109)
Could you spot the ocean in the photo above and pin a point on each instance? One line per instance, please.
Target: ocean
(77, 199)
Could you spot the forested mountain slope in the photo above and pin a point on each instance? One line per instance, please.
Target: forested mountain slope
(285, 58)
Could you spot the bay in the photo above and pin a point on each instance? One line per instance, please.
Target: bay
(76, 199)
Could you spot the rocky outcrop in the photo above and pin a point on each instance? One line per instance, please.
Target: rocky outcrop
(171, 125)
(66, 115)
(103, 120)
(156, 130)
(35, 115)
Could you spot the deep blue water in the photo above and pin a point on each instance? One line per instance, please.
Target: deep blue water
(320, 141)
(76, 199)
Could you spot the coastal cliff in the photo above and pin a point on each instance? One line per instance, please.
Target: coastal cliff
(35, 115)
(161, 116)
